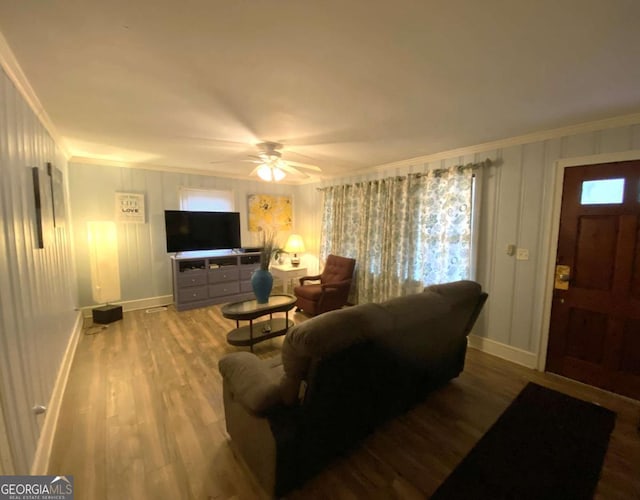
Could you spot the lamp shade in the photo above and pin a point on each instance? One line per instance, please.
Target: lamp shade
(270, 173)
(103, 261)
(294, 244)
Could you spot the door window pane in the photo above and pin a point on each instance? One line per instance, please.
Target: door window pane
(603, 191)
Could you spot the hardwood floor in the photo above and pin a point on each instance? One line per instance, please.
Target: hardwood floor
(142, 418)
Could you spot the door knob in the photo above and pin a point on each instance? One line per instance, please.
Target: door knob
(562, 278)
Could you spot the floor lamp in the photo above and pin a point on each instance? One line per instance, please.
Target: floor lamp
(105, 270)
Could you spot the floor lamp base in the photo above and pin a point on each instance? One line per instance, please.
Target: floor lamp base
(107, 314)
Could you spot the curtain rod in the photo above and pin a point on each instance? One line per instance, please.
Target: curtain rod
(472, 166)
(437, 172)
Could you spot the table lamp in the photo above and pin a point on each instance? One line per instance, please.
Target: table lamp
(294, 246)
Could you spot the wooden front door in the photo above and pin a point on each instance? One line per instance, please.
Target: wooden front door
(594, 333)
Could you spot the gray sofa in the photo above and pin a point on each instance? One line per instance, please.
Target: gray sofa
(340, 375)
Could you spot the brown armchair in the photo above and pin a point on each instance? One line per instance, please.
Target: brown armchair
(333, 290)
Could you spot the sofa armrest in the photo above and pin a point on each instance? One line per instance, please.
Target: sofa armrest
(309, 278)
(250, 381)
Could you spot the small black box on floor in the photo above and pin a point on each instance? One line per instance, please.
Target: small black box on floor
(107, 314)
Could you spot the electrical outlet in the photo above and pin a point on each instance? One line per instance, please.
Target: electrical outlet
(522, 254)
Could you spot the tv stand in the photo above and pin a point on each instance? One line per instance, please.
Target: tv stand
(202, 279)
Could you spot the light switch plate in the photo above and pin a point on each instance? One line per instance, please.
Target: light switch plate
(522, 254)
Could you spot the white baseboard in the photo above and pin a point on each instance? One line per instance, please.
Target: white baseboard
(45, 442)
(134, 305)
(504, 351)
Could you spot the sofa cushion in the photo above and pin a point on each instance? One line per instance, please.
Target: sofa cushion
(322, 335)
(426, 324)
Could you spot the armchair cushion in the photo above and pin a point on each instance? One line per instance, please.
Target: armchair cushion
(337, 269)
(309, 292)
(253, 382)
(337, 285)
(313, 292)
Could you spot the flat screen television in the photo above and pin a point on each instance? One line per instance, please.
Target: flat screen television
(187, 231)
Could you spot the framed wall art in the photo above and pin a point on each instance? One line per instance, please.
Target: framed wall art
(57, 195)
(37, 197)
(270, 212)
(130, 208)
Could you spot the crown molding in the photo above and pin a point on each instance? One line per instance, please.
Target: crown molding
(12, 68)
(85, 160)
(543, 135)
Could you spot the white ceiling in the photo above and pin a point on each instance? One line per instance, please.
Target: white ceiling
(345, 85)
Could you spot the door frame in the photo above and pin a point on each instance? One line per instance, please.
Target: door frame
(554, 228)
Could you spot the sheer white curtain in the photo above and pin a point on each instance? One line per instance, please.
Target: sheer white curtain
(404, 232)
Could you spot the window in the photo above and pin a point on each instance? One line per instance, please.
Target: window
(206, 200)
(602, 192)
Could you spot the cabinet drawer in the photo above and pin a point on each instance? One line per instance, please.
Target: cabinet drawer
(192, 278)
(189, 294)
(222, 289)
(226, 273)
(247, 271)
(245, 287)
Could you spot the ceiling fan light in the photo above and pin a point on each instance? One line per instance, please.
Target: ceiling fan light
(278, 174)
(264, 172)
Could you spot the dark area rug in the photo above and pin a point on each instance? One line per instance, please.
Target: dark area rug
(546, 445)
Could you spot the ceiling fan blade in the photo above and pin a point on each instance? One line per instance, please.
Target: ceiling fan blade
(229, 162)
(304, 165)
(254, 171)
(291, 170)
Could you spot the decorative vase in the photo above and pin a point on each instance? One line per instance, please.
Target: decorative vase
(262, 283)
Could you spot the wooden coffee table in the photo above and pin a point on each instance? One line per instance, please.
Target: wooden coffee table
(248, 310)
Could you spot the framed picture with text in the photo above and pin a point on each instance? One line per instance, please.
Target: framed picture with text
(130, 208)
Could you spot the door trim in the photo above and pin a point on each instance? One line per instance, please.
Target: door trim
(552, 234)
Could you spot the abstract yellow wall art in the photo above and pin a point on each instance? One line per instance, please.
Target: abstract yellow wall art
(269, 212)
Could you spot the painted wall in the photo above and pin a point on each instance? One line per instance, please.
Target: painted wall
(516, 205)
(37, 286)
(145, 267)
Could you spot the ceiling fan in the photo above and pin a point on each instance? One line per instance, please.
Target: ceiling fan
(272, 168)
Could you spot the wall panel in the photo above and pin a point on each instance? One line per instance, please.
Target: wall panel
(308, 220)
(529, 222)
(507, 209)
(580, 144)
(635, 137)
(37, 286)
(615, 139)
